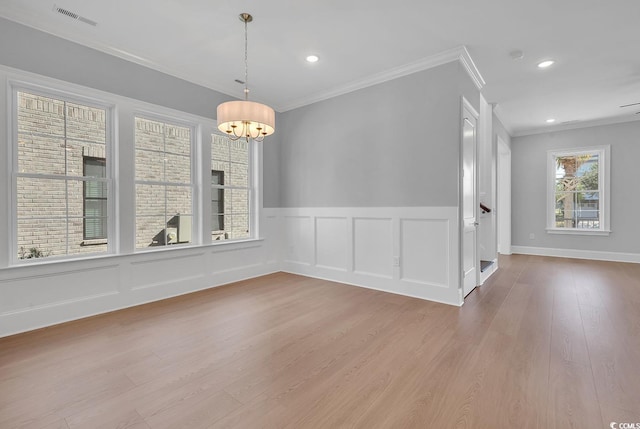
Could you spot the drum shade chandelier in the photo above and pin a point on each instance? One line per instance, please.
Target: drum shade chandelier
(244, 118)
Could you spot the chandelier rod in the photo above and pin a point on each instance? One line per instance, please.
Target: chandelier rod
(246, 18)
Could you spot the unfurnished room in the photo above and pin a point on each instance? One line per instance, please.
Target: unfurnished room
(325, 214)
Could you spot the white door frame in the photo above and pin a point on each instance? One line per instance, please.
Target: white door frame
(504, 198)
(465, 105)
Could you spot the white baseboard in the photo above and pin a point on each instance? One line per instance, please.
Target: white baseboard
(578, 254)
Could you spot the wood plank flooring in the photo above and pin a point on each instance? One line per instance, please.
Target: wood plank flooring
(545, 343)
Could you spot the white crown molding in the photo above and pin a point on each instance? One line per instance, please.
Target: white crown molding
(456, 54)
(459, 53)
(578, 254)
(576, 125)
(471, 68)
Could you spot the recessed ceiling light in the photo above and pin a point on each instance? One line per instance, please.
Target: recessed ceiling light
(550, 121)
(312, 59)
(545, 64)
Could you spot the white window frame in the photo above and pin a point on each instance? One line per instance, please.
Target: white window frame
(120, 164)
(604, 175)
(16, 86)
(253, 189)
(185, 121)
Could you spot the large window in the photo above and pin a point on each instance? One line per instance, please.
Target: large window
(164, 184)
(578, 191)
(55, 136)
(70, 197)
(230, 189)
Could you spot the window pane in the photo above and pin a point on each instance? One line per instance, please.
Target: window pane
(178, 200)
(217, 223)
(149, 134)
(587, 210)
(95, 221)
(239, 152)
(41, 198)
(150, 200)
(239, 175)
(150, 165)
(94, 167)
(219, 148)
(93, 189)
(41, 155)
(588, 175)
(40, 115)
(150, 231)
(237, 226)
(240, 201)
(86, 123)
(177, 168)
(224, 168)
(178, 140)
(41, 238)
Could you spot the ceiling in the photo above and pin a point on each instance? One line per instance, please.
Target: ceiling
(594, 43)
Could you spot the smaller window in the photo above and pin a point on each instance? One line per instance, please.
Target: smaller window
(95, 199)
(578, 191)
(231, 190)
(217, 201)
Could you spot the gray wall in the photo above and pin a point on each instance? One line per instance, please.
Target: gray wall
(393, 144)
(390, 145)
(529, 169)
(27, 49)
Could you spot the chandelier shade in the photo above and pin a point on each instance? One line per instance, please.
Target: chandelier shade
(246, 119)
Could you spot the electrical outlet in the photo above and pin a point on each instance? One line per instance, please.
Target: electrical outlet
(396, 261)
(532, 236)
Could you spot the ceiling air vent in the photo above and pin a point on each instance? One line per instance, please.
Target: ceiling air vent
(74, 15)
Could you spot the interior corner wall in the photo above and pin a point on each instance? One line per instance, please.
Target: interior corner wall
(529, 181)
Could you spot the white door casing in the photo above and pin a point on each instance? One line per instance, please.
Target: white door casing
(504, 198)
(469, 198)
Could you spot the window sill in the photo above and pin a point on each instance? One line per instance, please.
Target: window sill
(99, 258)
(575, 231)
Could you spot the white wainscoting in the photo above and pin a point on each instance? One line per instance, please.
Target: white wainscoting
(358, 246)
(45, 294)
(405, 250)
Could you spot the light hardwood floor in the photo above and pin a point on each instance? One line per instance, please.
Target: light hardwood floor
(545, 343)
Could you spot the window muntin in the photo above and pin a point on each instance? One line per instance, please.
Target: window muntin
(231, 185)
(164, 184)
(578, 194)
(54, 135)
